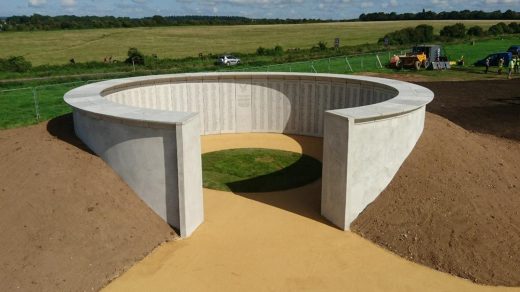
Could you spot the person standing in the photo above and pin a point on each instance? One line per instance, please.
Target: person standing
(487, 64)
(500, 65)
(511, 68)
(517, 63)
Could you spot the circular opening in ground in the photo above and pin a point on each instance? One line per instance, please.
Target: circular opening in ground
(254, 170)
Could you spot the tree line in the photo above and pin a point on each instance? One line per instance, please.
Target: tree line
(424, 33)
(445, 15)
(43, 22)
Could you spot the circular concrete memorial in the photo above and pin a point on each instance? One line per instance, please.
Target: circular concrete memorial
(148, 130)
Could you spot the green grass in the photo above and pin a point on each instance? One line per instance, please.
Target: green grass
(57, 47)
(257, 170)
(369, 63)
(17, 108)
(481, 49)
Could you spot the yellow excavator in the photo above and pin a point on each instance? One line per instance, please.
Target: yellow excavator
(422, 56)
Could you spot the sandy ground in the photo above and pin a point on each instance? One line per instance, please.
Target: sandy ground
(277, 242)
(67, 221)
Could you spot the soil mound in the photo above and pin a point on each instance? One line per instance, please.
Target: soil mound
(68, 222)
(454, 205)
(488, 107)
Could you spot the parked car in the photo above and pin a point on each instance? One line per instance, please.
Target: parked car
(514, 50)
(228, 60)
(493, 59)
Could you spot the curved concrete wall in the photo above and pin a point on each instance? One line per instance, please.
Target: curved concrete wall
(293, 104)
(148, 128)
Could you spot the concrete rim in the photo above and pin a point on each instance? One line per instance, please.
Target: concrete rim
(90, 98)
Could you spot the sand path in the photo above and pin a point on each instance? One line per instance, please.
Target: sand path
(277, 242)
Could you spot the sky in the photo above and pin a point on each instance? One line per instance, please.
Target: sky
(325, 9)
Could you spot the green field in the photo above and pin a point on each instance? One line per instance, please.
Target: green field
(471, 52)
(57, 47)
(18, 107)
(28, 106)
(258, 170)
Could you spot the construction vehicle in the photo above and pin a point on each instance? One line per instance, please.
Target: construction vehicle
(422, 56)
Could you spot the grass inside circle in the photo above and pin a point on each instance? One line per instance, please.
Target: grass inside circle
(258, 170)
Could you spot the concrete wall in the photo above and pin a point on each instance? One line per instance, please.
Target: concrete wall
(362, 158)
(148, 130)
(160, 163)
(237, 104)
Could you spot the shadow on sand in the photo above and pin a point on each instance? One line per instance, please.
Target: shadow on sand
(62, 127)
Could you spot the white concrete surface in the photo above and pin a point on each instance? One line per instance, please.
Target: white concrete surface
(147, 129)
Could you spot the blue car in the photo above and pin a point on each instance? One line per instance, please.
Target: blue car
(493, 59)
(514, 50)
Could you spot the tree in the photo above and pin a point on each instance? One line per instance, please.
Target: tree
(261, 51)
(420, 34)
(476, 31)
(423, 33)
(499, 28)
(514, 27)
(278, 50)
(322, 45)
(135, 57)
(457, 30)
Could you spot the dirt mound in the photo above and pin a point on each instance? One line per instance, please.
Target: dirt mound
(489, 107)
(68, 222)
(454, 205)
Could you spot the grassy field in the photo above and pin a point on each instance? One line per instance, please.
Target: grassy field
(257, 170)
(57, 47)
(472, 52)
(17, 108)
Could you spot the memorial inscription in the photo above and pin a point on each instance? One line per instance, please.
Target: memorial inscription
(243, 108)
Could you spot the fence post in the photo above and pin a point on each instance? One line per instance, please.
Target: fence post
(312, 67)
(36, 105)
(329, 67)
(348, 64)
(380, 65)
(361, 62)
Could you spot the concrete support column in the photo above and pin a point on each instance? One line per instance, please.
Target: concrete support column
(335, 170)
(189, 171)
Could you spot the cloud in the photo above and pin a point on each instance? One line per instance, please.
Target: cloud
(324, 9)
(517, 2)
(442, 3)
(68, 3)
(37, 3)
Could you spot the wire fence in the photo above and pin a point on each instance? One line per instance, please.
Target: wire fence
(30, 105)
(339, 65)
